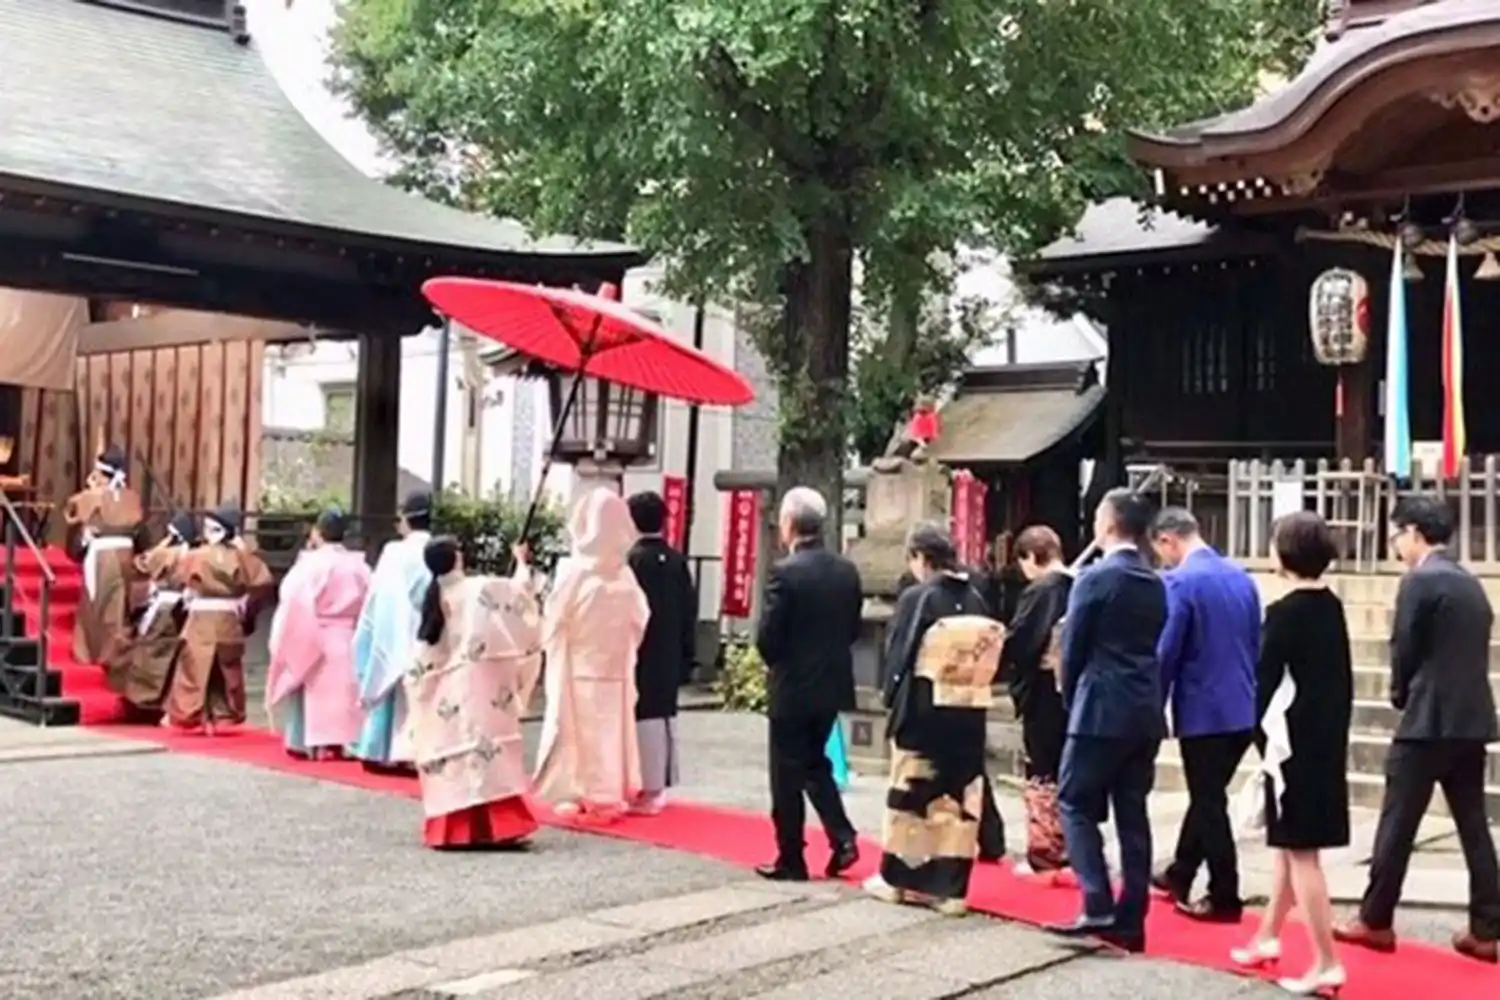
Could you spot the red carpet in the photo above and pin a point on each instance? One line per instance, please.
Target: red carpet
(82, 682)
(745, 839)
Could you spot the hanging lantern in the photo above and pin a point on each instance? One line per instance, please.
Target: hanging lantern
(1412, 271)
(1339, 317)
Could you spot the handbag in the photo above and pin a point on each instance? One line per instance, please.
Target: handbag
(1249, 806)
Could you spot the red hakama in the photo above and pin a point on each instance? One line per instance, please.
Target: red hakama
(504, 822)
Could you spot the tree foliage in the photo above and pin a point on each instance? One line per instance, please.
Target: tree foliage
(765, 146)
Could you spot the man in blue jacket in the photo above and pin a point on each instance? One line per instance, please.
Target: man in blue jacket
(1208, 654)
(1111, 688)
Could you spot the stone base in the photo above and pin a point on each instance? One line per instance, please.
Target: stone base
(864, 729)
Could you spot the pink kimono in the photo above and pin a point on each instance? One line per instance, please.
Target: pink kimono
(310, 689)
(593, 623)
(465, 696)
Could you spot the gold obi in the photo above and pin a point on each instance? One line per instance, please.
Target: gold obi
(960, 656)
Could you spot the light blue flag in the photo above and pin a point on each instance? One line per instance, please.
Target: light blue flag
(1397, 414)
(838, 755)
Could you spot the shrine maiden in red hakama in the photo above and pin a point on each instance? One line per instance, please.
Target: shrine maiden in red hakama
(477, 660)
(311, 692)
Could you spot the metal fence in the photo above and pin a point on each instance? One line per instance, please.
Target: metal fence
(1357, 501)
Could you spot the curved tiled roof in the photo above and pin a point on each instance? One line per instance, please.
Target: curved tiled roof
(166, 113)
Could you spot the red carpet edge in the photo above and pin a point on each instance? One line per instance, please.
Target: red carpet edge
(745, 839)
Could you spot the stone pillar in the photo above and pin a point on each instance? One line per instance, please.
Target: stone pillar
(377, 433)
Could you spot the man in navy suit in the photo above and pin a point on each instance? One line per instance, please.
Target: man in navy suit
(1112, 690)
(1208, 653)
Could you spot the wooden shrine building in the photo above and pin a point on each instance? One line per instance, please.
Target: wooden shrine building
(1391, 131)
(148, 160)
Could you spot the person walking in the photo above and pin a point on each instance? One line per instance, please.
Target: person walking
(1305, 703)
(1111, 687)
(942, 651)
(1440, 682)
(1028, 665)
(810, 622)
(1208, 653)
(665, 660)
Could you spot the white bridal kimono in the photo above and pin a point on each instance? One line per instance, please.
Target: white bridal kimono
(594, 621)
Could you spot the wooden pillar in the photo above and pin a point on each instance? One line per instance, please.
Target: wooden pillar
(1354, 426)
(377, 432)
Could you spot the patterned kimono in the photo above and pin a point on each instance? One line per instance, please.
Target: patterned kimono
(310, 688)
(384, 643)
(224, 586)
(108, 518)
(593, 624)
(141, 666)
(466, 696)
(942, 654)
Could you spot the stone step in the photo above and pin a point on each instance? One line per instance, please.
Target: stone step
(1375, 651)
(1366, 774)
(1373, 683)
(1376, 716)
(1372, 588)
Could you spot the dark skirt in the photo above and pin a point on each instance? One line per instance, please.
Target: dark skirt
(1313, 811)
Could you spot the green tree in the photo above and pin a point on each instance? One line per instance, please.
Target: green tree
(763, 147)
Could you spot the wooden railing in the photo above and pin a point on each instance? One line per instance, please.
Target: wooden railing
(1358, 500)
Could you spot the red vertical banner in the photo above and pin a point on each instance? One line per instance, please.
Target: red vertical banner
(962, 505)
(979, 530)
(674, 495)
(741, 531)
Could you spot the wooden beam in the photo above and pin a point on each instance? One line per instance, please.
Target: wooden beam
(182, 327)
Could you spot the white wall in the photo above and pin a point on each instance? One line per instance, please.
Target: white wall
(1039, 336)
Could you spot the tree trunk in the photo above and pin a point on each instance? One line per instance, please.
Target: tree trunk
(814, 373)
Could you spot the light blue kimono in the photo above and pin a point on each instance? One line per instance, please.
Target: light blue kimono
(838, 755)
(384, 644)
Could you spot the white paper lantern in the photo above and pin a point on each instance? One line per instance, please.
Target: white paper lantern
(1339, 317)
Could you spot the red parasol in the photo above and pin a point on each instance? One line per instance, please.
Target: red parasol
(592, 335)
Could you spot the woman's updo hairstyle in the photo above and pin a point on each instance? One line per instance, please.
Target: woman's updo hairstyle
(441, 558)
(934, 545)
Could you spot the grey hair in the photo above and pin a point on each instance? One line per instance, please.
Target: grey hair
(1176, 521)
(806, 509)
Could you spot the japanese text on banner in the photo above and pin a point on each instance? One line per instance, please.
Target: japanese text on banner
(963, 513)
(741, 533)
(674, 495)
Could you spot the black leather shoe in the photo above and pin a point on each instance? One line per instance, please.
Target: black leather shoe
(1163, 885)
(1130, 942)
(844, 857)
(1083, 927)
(780, 873)
(1205, 911)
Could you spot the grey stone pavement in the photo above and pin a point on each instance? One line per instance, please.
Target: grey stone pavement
(154, 876)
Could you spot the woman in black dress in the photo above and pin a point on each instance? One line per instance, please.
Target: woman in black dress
(1306, 689)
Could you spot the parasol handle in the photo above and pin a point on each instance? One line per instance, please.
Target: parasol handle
(541, 483)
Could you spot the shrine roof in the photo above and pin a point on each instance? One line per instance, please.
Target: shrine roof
(152, 112)
(1334, 68)
(1010, 414)
(1123, 231)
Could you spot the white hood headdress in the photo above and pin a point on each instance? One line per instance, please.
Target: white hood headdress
(601, 529)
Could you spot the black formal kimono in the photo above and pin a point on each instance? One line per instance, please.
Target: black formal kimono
(665, 660)
(1029, 666)
(941, 655)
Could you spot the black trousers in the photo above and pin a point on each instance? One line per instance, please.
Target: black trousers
(1412, 770)
(800, 766)
(1207, 836)
(1044, 730)
(991, 825)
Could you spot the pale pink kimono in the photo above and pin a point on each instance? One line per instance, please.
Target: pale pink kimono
(594, 620)
(311, 645)
(466, 694)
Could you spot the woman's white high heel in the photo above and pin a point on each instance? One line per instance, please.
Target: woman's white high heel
(1327, 983)
(1257, 954)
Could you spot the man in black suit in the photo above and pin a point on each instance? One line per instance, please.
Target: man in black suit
(665, 660)
(808, 627)
(1440, 681)
(1111, 688)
